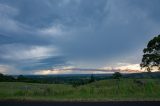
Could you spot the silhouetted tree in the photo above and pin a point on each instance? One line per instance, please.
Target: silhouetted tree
(6, 78)
(92, 79)
(151, 57)
(21, 77)
(117, 75)
(1, 75)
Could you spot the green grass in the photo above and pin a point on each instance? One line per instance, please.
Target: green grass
(125, 89)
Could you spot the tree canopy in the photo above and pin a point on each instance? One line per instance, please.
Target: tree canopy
(151, 56)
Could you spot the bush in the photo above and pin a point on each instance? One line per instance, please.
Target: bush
(6, 78)
(117, 75)
(92, 79)
(1, 75)
(76, 83)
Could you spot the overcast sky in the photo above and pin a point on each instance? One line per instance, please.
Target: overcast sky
(43, 35)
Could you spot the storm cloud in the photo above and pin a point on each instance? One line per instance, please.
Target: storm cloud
(44, 34)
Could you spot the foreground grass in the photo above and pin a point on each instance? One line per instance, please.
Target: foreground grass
(124, 89)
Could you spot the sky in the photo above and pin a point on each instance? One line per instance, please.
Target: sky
(75, 36)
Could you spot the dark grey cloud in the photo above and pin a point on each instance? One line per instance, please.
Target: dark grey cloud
(49, 33)
(47, 63)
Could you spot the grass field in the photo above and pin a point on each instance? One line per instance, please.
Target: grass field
(112, 89)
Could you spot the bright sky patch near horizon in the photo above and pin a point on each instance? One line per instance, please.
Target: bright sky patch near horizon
(41, 36)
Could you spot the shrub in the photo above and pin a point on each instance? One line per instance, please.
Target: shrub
(92, 79)
(117, 75)
(1, 75)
